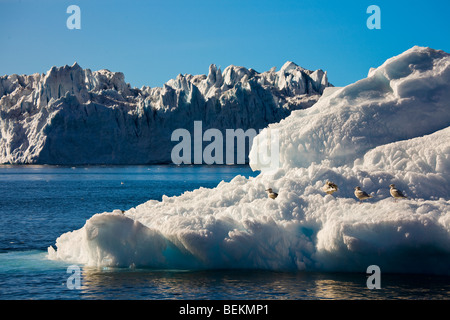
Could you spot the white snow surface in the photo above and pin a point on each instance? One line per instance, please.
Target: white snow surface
(392, 127)
(75, 116)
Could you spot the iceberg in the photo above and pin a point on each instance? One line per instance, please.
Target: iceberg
(392, 127)
(74, 116)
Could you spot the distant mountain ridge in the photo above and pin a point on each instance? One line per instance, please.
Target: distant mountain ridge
(72, 115)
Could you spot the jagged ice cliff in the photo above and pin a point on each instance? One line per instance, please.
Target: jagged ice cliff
(74, 116)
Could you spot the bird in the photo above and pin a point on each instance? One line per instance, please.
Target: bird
(395, 193)
(330, 187)
(361, 195)
(272, 195)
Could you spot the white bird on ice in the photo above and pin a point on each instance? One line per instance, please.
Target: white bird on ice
(330, 187)
(272, 194)
(395, 193)
(361, 195)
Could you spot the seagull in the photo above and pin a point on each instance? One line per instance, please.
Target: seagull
(330, 187)
(395, 193)
(361, 195)
(272, 194)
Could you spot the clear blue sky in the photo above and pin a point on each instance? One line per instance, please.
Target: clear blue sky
(153, 41)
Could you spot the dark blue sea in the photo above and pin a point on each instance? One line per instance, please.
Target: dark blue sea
(39, 203)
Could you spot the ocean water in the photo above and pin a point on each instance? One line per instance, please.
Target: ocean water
(39, 203)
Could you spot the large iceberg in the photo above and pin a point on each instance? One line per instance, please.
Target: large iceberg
(391, 127)
(73, 116)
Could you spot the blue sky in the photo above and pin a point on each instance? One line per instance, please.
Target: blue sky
(153, 41)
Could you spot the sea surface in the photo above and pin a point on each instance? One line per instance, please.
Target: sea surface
(39, 203)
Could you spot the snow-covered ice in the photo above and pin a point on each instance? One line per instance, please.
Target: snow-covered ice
(391, 127)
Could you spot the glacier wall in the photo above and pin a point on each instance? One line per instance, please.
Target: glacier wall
(74, 116)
